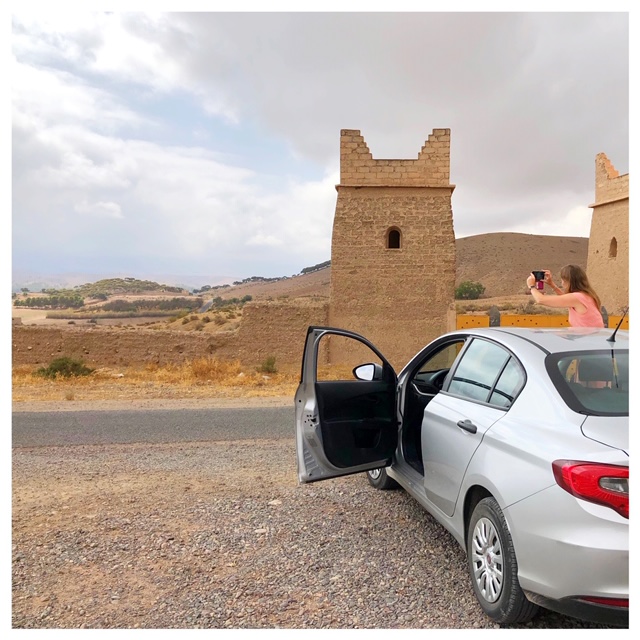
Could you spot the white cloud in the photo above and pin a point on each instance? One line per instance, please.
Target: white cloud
(575, 221)
(49, 97)
(264, 240)
(99, 209)
(530, 99)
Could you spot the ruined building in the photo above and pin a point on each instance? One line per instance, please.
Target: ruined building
(393, 262)
(608, 259)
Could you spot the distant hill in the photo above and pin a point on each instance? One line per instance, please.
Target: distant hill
(500, 261)
(38, 281)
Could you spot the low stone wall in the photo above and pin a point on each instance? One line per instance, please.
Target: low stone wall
(277, 329)
(110, 347)
(267, 329)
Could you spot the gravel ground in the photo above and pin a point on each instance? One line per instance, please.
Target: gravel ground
(220, 535)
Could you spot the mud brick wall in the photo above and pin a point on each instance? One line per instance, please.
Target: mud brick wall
(277, 329)
(110, 347)
(400, 297)
(430, 169)
(608, 258)
(267, 329)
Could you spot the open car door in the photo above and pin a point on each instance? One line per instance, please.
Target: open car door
(344, 426)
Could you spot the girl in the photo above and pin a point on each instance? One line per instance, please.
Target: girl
(576, 294)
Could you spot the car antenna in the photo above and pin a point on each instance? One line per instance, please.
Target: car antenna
(612, 338)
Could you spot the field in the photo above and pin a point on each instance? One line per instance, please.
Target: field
(500, 261)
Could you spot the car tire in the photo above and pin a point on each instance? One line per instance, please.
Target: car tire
(493, 566)
(379, 479)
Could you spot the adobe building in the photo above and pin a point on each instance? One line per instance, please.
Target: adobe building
(393, 261)
(608, 258)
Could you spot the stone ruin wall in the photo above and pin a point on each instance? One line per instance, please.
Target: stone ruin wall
(267, 329)
(398, 298)
(608, 258)
(277, 329)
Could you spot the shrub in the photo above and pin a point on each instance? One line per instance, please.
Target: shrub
(65, 368)
(268, 366)
(469, 290)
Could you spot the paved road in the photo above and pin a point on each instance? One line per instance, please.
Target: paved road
(117, 427)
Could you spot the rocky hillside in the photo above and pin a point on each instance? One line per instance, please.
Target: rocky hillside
(502, 261)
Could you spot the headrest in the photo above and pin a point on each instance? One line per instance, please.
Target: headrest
(595, 369)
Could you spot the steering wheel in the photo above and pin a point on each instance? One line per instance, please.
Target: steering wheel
(438, 380)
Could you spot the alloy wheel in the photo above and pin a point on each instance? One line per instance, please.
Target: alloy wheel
(488, 570)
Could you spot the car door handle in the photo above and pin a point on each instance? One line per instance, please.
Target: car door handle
(467, 425)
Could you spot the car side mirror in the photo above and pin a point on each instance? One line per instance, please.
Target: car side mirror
(370, 371)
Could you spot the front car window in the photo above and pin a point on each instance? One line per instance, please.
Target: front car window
(592, 382)
(487, 373)
(432, 373)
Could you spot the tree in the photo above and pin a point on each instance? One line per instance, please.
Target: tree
(469, 290)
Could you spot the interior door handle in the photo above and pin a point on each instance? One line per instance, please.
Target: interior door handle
(467, 425)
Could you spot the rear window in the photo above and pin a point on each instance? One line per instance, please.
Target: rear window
(594, 383)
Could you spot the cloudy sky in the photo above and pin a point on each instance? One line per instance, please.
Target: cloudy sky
(208, 142)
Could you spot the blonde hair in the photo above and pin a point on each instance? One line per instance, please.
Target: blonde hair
(577, 280)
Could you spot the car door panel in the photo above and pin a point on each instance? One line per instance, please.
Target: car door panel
(452, 430)
(358, 421)
(343, 426)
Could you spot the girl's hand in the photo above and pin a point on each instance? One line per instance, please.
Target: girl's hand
(547, 277)
(531, 280)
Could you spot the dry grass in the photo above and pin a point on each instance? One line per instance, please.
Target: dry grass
(202, 378)
(195, 379)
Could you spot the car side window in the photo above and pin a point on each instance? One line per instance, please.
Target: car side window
(509, 383)
(478, 370)
(443, 358)
(431, 375)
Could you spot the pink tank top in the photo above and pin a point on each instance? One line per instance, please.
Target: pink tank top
(592, 317)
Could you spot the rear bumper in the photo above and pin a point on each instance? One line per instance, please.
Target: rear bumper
(597, 613)
(569, 549)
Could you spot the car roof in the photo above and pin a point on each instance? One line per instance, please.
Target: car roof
(558, 340)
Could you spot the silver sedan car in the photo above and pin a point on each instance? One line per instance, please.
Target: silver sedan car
(516, 440)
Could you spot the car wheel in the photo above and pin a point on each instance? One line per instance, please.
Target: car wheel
(493, 566)
(379, 479)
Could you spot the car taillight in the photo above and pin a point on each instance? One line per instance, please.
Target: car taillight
(605, 484)
(622, 603)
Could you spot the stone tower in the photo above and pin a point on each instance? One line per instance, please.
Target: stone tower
(608, 258)
(393, 261)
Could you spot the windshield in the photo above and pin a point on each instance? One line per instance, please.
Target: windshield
(592, 382)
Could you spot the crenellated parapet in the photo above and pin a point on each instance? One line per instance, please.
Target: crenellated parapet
(430, 169)
(610, 185)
